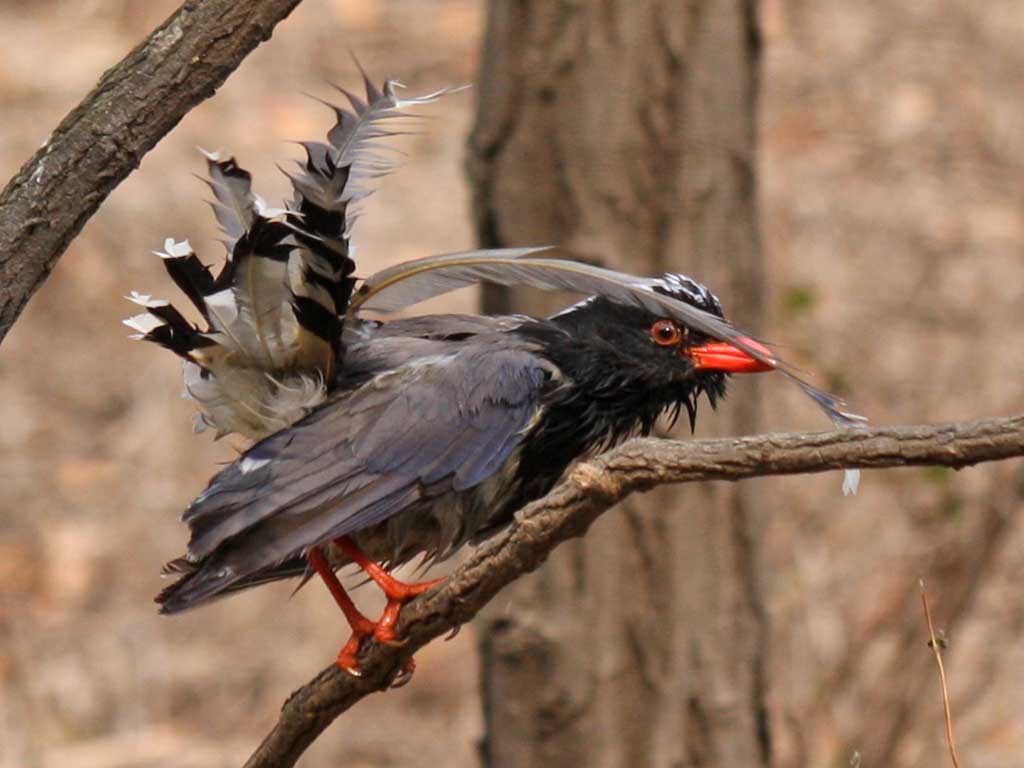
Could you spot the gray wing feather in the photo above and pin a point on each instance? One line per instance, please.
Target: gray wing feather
(438, 424)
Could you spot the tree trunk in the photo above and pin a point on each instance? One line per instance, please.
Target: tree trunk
(624, 133)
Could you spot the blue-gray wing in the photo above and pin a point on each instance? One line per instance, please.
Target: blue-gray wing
(447, 422)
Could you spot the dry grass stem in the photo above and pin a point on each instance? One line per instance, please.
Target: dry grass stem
(934, 643)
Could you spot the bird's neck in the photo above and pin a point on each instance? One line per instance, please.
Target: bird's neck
(598, 404)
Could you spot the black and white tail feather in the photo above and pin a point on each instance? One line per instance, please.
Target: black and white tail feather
(274, 313)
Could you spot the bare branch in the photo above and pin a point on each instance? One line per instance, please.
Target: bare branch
(105, 137)
(593, 487)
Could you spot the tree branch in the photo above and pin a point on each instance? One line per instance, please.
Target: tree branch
(104, 138)
(593, 487)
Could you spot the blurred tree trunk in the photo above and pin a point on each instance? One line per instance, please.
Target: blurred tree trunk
(624, 133)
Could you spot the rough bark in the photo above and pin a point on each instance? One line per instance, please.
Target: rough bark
(624, 133)
(590, 489)
(105, 137)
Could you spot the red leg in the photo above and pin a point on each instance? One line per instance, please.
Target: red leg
(397, 592)
(361, 626)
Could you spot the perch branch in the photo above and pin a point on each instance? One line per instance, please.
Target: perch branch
(593, 487)
(104, 138)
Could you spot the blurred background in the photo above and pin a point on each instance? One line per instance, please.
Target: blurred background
(892, 180)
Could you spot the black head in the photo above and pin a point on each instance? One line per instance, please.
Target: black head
(629, 366)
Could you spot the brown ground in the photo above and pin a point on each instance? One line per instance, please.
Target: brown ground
(892, 184)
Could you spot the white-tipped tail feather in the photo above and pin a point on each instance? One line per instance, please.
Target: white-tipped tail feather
(274, 313)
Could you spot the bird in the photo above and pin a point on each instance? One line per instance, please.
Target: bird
(376, 442)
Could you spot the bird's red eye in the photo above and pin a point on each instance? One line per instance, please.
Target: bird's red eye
(666, 333)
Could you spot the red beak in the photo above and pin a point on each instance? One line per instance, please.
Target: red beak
(721, 356)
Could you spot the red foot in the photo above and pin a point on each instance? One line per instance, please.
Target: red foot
(397, 592)
(348, 660)
(361, 626)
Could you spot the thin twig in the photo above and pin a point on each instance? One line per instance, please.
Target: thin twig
(934, 643)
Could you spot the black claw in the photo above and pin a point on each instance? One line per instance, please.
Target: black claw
(402, 678)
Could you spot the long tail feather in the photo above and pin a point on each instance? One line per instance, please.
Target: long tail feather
(415, 281)
(340, 173)
(191, 276)
(235, 206)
